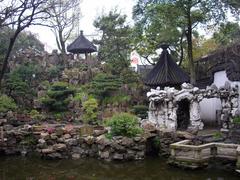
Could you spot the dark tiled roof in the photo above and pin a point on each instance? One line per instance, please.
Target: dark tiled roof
(81, 45)
(143, 70)
(166, 72)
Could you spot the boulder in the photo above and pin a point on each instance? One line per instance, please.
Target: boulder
(118, 156)
(48, 150)
(59, 147)
(127, 141)
(75, 156)
(67, 136)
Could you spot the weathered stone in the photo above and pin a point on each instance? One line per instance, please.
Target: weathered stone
(45, 135)
(71, 142)
(67, 136)
(118, 156)
(53, 136)
(59, 132)
(59, 147)
(140, 155)
(7, 127)
(2, 121)
(75, 156)
(102, 140)
(184, 135)
(41, 141)
(118, 147)
(89, 140)
(55, 155)
(99, 132)
(60, 140)
(104, 154)
(138, 147)
(127, 141)
(130, 155)
(137, 139)
(48, 150)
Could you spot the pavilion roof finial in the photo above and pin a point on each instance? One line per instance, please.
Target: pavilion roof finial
(164, 46)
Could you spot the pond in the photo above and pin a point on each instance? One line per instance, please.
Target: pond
(20, 168)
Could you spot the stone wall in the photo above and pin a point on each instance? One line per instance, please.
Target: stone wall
(67, 141)
(164, 104)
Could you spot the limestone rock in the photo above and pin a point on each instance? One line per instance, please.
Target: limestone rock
(75, 156)
(48, 150)
(118, 156)
(59, 147)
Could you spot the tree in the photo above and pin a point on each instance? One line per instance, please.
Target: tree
(228, 33)
(186, 16)
(115, 44)
(20, 15)
(24, 41)
(65, 16)
(154, 26)
(203, 46)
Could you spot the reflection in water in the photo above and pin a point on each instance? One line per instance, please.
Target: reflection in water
(19, 168)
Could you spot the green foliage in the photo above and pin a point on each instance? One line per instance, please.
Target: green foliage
(54, 71)
(81, 97)
(129, 77)
(173, 22)
(117, 99)
(217, 135)
(7, 104)
(236, 120)
(114, 46)
(90, 108)
(25, 40)
(227, 33)
(29, 140)
(21, 83)
(59, 115)
(124, 124)
(140, 111)
(156, 142)
(34, 114)
(104, 85)
(57, 98)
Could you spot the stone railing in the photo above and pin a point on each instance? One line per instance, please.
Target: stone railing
(192, 156)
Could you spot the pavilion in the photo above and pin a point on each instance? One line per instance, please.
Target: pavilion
(82, 45)
(166, 72)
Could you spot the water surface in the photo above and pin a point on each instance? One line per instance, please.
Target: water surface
(20, 168)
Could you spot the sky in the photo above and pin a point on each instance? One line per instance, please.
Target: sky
(90, 10)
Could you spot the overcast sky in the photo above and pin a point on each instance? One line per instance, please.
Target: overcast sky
(90, 10)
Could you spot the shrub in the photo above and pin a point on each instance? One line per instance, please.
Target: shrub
(90, 108)
(104, 85)
(124, 124)
(57, 98)
(217, 135)
(140, 111)
(54, 71)
(34, 114)
(236, 120)
(117, 99)
(7, 104)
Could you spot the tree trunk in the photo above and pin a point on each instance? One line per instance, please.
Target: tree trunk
(62, 43)
(190, 49)
(6, 58)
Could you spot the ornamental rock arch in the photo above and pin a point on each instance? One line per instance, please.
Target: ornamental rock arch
(164, 104)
